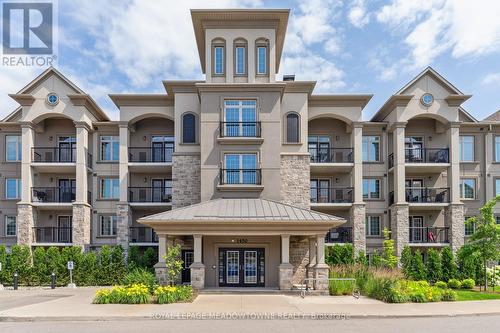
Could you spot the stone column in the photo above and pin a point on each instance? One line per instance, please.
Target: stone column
(197, 267)
(400, 227)
(124, 221)
(26, 213)
(186, 179)
(82, 215)
(358, 216)
(164, 242)
(321, 269)
(285, 268)
(123, 168)
(295, 179)
(312, 261)
(358, 208)
(454, 214)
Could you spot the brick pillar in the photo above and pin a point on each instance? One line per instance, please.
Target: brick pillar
(26, 216)
(400, 226)
(186, 180)
(295, 180)
(454, 219)
(299, 258)
(123, 214)
(358, 228)
(81, 225)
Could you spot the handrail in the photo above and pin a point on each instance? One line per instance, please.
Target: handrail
(240, 177)
(235, 129)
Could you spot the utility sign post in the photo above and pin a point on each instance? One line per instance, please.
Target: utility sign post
(71, 266)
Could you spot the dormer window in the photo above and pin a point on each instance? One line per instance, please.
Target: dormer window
(262, 51)
(240, 57)
(219, 57)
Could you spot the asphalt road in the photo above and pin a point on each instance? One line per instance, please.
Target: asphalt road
(481, 324)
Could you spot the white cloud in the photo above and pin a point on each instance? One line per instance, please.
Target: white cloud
(358, 15)
(491, 79)
(13, 79)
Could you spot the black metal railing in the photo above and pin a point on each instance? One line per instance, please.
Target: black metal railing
(53, 194)
(150, 194)
(424, 155)
(331, 155)
(390, 160)
(240, 129)
(142, 235)
(429, 234)
(391, 197)
(151, 154)
(427, 194)
(240, 176)
(52, 234)
(53, 154)
(332, 194)
(89, 160)
(339, 235)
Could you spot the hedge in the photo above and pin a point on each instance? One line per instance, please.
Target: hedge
(94, 268)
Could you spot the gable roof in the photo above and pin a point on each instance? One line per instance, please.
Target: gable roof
(467, 115)
(431, 71)
(13, 116)
(242, 210)
(45, 74)
(495, 116)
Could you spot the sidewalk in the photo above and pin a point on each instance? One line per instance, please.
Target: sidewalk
(75, 305)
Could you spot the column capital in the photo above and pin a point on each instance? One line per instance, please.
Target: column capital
(29, 124)
(123, 124)
(454, 124)
(357, 124)
(84, 125)
(398, 124)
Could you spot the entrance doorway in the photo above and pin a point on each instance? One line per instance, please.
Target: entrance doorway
(187, 260)
(241, 267)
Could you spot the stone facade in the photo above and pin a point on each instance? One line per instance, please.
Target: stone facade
(81, 225)
(295, 180)
(197, 275)
(285, 276)
(186, 180)
(299, 258)
(358, 227)
(26, 216)
(123, 213)
(321, 277)
(400, 226)
(454, 219)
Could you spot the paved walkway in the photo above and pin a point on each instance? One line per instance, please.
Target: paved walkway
(75, 304)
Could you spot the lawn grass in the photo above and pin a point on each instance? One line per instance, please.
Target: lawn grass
(471, 295)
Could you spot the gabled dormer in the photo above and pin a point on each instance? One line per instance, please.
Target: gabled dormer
(239, 45)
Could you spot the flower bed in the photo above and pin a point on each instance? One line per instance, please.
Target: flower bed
(140, 294)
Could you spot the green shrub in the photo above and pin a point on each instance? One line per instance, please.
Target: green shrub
(454, 284)
(134, 294)
(342, 287)
(185, 292)
(102, 296)
(5, 274)
(141, 276)
(406, 258)
(468, 283)
(448, 264)
(20, 262)
(137, 294)
(167, 295)
(339, 254)
(376, 259)
(448, 295)
(440, 284)
(417, 271)
(40, 272)
(389, 258)
(433, 265)
(149, 259)
(361, 258)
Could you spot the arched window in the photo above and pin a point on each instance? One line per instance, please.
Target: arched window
(292, 127)
(218, 56)
(261, 57)
(240, 57)
(189, 128)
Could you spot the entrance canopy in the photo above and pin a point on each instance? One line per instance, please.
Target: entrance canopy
(241, 216)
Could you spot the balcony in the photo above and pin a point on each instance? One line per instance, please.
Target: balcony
(332, 197)
(142, 236)
(52, 235)
(246, 132)
(339, 235)
(144, 159)
(429, 236)
(425, 197)
(240, 179)
(424, 159)
(150, 196)
(331, 159)
(56, 159)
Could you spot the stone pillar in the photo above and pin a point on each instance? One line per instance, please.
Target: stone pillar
(285, 268)
(358, 217)
(197, 267)
(26, 214)
(321, 270)
(164, 242)
(124, 221)
(400, 227)
(399, 163)
(295, 179)
(81, 225)
(82, 147)
(186, 179)
(123, 168)
(454, 219)
(299, 258)
(312, 261)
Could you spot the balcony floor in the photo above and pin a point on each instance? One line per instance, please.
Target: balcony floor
(149, 167)
(427, 206)
(333, 206)
(331, 167)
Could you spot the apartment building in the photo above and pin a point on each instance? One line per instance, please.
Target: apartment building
(252, 176)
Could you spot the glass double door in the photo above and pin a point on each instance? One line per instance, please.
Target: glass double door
(241, 267)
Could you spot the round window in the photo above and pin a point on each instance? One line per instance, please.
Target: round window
(52, 99)
(427, 99)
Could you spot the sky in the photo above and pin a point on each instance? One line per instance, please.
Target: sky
(357, 46)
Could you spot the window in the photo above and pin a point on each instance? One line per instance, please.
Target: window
(497, 186)
(467, 188)
(110, 148)
(373, 225)
(371, 188)
(189, 128)
(241, 169)
(240, 117)
(292, 128)
(497, 219)
(371, 148)
(12, 188)
(10, 226)
(107, 225)
(466, 148)
(261, 57)
(219, 55)
(240, 57)
(497, 148)
(470, 228)
(13, 147)
(110, 188)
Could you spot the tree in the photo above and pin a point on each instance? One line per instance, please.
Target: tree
(389, 258)
(448, 264)
(417, 267)
(406, 258)
(433, 265)
(486, 238)
(173, 264)
(133, 259)
(149, 259)
(376, 259)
